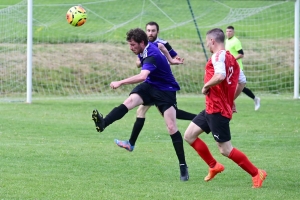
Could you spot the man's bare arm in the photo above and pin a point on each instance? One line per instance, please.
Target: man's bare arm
(131, 80)
(172, 61)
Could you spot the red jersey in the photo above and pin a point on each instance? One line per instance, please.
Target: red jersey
(220, 97)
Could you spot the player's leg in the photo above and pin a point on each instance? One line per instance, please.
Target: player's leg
(237, 156)
(139, 123)
(221, 132)
(184, 115)
(170, 119)
(137, 127)
(165, 101)
(138, 96)
(250, 94)
(117, 113)
(195, 128)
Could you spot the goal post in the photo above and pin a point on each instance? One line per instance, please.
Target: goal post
(296, 51)
(29, 51)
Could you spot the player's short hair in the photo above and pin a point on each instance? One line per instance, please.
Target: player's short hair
(138, 35)
(230, 27)
(217, 34)
(153, 24)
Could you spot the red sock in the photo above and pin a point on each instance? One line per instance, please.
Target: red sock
(204, 152)
(241, 159)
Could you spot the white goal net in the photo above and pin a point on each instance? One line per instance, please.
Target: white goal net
(82, 61)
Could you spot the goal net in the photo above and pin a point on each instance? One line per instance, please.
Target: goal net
(82, 61)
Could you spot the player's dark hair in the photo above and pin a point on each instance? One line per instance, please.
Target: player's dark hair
(230, 27)
(138, 35)
(153, 24)
(217, 34)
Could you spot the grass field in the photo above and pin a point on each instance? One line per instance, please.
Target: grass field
(51, 150)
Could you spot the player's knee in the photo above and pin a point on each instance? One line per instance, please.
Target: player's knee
(224, 152)
(187, 138)
(132, 101)
(141, 112)
(190, 137)
(172, 128)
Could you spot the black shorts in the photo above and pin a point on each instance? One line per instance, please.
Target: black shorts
(163, 100)
(215, 123)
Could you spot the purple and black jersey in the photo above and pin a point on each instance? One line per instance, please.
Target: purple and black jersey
(167, 45)
(160, 76)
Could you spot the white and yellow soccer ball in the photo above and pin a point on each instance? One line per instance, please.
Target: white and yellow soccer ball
(76, 16)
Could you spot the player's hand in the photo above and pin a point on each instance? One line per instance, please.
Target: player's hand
(234, 108)
(180, 59)
(205, 91)
(115, 84)
(177, 61)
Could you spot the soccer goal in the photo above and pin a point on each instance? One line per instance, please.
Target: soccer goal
(41, 55)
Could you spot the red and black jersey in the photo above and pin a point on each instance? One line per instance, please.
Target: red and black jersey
(220, 97)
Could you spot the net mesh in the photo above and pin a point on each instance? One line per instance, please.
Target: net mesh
(82, 61)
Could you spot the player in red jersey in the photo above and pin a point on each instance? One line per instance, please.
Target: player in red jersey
(220, 83)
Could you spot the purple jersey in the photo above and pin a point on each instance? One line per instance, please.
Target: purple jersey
(167, 45)
(160, 76)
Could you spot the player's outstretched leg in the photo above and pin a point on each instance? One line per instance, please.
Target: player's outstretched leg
(99, 121)
(124, 144)
(114, 115)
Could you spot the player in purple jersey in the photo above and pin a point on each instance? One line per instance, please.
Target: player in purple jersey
(152, 30)
(158, 86)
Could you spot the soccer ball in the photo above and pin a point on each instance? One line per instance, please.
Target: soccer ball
(76, 16)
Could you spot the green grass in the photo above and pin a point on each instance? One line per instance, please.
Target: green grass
(50, 150)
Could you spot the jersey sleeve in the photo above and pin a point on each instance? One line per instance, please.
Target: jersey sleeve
(170, 50)
(149, 63)
(218, 61)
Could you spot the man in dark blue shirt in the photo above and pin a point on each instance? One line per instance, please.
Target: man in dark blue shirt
(158, 86)
(152, 30)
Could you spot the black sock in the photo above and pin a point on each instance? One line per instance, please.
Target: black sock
(249, 93)
(178, 146)
(137, 127)
(116, 114)
(181, 114)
